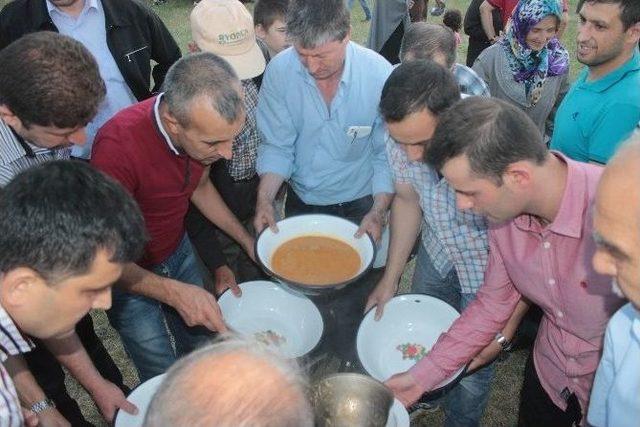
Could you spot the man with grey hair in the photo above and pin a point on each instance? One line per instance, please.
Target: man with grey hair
(160, 150)
(437, 43)
(322, 133)
(616, 228)
(232, 383)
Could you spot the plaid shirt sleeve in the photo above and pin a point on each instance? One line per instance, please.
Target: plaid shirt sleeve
(451, 237)
(245, 145)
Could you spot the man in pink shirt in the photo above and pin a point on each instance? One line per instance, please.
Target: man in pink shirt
(540, 247)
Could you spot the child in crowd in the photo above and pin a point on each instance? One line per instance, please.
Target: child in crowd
(453, 19)
(269, 18)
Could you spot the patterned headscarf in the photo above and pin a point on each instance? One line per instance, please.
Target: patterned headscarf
(527, 65)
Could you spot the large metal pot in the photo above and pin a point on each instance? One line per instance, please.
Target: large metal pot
(351, 400)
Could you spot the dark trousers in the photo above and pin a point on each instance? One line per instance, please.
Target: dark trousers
(391, 48)
(475, 48)
(342, 310)
(50, 376)
(536, 407)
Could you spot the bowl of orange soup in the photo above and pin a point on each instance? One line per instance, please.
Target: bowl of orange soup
(314, 253)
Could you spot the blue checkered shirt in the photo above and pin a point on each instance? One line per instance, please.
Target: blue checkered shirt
(469, 82)
(451, 237)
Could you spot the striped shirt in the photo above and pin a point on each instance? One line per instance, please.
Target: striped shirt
(12, 343)
(451, 237)
(16, 154)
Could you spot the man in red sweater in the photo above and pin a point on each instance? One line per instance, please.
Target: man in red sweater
(160, 150)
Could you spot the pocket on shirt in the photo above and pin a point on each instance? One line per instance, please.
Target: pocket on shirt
(351, 146)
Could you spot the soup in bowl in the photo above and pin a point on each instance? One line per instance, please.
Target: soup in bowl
(315, 252)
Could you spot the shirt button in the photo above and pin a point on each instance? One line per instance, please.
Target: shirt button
(546, 245)
(560, 314)
(552, 282)
(572, 360)
(576, 381)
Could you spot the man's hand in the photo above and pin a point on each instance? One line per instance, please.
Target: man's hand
(109, 398)
(29, 417)
(372, 223)
(265, 216)
(405, 388)
(50, 417)
(225, 279)
(249, 247)
(382, 293)
(197, 307)
(486, 356)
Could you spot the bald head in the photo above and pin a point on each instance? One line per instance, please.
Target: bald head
(617, 220)
(619, 187)
(232, 383)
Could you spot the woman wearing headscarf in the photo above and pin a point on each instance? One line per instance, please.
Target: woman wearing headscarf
(528, 67)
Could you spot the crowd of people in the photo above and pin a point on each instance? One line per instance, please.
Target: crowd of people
(135, 179)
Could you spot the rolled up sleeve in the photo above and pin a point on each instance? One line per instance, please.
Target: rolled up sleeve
(276, 152)
(474, 329)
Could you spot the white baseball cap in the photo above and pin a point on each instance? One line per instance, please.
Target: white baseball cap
(225, 27)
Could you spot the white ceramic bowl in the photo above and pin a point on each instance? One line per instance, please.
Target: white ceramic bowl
(409, 327)
(316, 225)
(141, 397)
(398, 415)
(287, 322)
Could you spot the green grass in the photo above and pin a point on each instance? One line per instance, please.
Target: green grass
(503, 404)
(175, 14)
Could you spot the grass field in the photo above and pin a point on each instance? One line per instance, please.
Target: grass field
(502, 408)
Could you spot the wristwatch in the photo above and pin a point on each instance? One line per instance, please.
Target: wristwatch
(42, 405)
(504, 342)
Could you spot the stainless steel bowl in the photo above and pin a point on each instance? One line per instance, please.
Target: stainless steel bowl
(350, 400)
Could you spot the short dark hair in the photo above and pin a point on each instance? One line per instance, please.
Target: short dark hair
(629, 10)
(203, 74)
(49, 79)
(416, 85)
(266, 12)
(311, 23)
(453, 19)
(423, 40)
(54, 218)
(492, 134)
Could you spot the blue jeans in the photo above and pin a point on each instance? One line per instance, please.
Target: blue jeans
(364, 5)
(464, 404)
(146, 326)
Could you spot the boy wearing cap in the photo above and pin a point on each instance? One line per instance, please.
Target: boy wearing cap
(225, 28)
(269, 18)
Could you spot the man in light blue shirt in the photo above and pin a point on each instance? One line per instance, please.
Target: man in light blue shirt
(83, 28)
(615, 397)
(322, 133)
(124, 36)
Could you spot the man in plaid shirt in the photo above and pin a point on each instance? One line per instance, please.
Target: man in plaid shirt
(452, 257)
